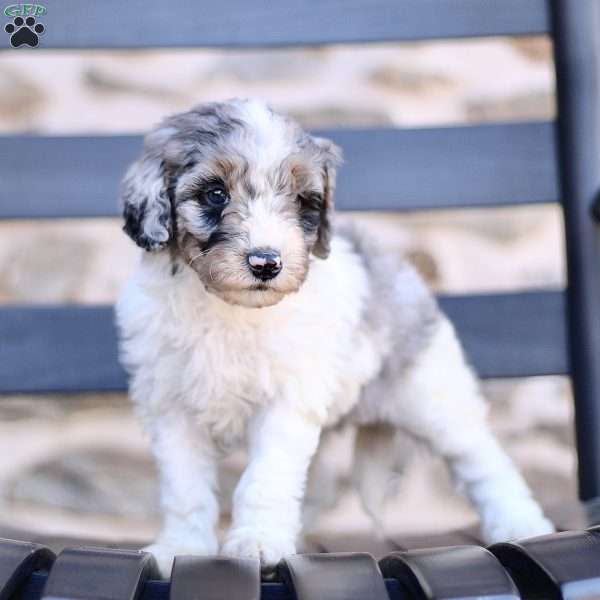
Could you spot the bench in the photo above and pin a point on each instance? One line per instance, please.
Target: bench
(67, 349)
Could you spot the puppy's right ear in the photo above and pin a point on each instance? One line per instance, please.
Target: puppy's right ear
(145, 198)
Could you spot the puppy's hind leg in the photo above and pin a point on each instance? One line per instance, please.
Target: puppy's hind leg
(441, 403)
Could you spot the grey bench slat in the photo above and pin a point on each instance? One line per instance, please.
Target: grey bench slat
(215, 577)
(449, 573)
(17, 561)
(83, 573)
(512, 335)
(563, 566)
(384, 169)
(338, 576)
(235, 23)
(72, 348)
(55, 349)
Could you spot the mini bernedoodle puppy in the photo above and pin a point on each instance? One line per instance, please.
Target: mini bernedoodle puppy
(250, 319)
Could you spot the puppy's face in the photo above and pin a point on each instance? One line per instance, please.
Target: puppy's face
(239, 194)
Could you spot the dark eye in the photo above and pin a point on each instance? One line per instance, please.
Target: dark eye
(310, 201)
(217, 197)
(310, 213)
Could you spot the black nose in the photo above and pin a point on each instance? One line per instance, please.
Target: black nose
(264, 264)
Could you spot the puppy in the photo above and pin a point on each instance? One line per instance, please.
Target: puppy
(249, 320)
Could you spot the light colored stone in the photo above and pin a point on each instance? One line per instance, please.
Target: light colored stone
(99, 481)
(100, 81)
(324, 115)
(410, 80)
(260, 66)
(535, 48)
(529, 106)
(20, 95)
(52, 261)
(45, 268)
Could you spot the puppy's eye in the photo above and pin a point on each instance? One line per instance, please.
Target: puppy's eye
(310, 213)
(310, 202)
(217, 197)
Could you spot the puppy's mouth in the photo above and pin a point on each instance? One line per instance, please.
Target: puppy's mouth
(255, 296)
(259, 287)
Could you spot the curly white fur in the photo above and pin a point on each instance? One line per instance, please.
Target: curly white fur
(205, 372)
(356, 339)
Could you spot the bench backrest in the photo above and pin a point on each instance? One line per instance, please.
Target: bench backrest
(72, 348)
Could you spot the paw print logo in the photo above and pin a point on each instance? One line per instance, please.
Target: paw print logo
(24, 32)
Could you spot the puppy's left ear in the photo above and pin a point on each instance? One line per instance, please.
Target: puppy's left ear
(330, 157)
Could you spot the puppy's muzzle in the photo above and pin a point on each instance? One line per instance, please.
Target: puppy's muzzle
(264, 264)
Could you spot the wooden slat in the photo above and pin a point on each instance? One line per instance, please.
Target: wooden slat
(384, 169)
(238, 23)
(73, 349)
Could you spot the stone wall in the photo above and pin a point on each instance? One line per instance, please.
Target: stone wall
(80, 464)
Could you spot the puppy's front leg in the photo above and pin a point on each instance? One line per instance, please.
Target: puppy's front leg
(186, 461)
(268, 498)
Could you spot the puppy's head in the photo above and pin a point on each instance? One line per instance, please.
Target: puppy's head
(241, 195)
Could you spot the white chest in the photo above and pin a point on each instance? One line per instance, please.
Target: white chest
(223, 363)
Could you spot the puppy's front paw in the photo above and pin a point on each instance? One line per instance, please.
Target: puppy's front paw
(518, 524)
(165, 553)
(268, 546)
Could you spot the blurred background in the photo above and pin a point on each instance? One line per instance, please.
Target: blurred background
(79, 465)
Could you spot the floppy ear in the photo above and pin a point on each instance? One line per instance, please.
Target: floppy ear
(145, 197)
(331, 157)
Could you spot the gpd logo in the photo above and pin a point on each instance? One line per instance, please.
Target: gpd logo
(24, 29)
